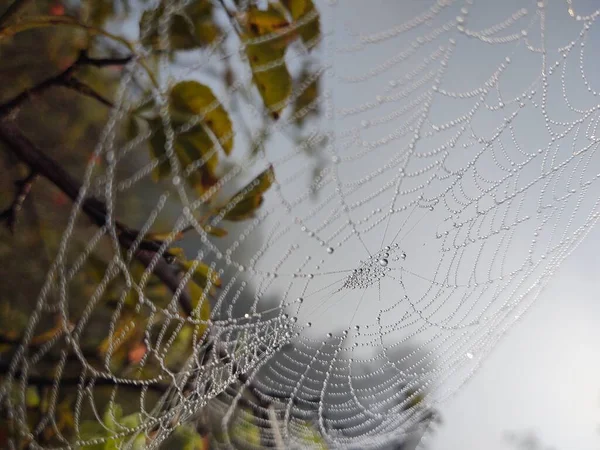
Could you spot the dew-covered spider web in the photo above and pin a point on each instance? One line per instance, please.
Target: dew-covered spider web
(448, 171)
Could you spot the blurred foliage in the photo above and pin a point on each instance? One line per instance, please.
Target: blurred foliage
(45, 39)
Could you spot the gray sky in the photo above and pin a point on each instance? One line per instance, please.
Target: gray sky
(451, 294)
(544, 376)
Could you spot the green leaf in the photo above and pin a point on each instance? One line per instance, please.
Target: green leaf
(308, 434)
(194, 98)
(203, 274)
(263, 21)
(89, 430)
(189, 99)
(305, 105)
(199, 298)
(186, 438)
(193, 29)
(310, 32)
(112, 416)
(249, 199)
(32, 397)
(191, 146)
(267, 59)
(271, 75)
(244, 430)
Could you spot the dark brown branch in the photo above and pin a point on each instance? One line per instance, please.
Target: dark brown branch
(67, 80)
(49, 380)
(39, 162)
(84, 59)
(23, 189)
(84, 89)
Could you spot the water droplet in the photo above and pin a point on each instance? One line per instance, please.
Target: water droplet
(383, 262)
(469, 355)
(329, 335)
(330, 250)
(299, 300)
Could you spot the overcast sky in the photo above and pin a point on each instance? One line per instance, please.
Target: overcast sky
(545, 374)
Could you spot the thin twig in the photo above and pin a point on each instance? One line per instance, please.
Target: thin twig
(84, 59)
(24, 188)
(84, 89)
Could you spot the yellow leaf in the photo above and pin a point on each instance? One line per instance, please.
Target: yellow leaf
(194, 98)
(249, 199)
(192, 146)
(202, 274)
(310, 32)
(271, 75)
(199, 297)
(305, 103)
(260, 22)
(245, 430)
(195, 28)
(266, 59)
(215, 231)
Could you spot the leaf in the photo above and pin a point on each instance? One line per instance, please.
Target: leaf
(112, 416)
(249, 199)
(32, 397)
(215, 231)
(271, 75)
(199, 297)
(160, 237)
(89, 430)
(194, 98)
(99, 11)
(305, 104)
(185, 437)
(189, 99)
(178, 252)
(260, 22)
(203, 274)
(192, 146)
(127, 334)
(132, 128)
(194, 28)
(307, 434)
(267, 59)
(310, 32)
(244, 430)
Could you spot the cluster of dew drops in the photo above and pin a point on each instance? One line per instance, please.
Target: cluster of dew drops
(374, 268)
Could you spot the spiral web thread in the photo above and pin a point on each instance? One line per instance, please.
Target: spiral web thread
(458, 146)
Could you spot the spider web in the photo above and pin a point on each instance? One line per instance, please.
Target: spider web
(456, 167)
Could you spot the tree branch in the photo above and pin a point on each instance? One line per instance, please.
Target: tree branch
(39, 162)
(24, 188)
(67, 80)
